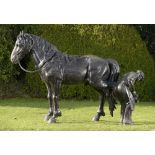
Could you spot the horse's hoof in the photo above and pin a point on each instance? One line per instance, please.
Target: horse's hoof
(47, 117)
(58, 114)
(100, 114)
(95, 119)
(52, 120)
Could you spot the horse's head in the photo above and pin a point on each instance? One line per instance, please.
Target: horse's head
(22, 47)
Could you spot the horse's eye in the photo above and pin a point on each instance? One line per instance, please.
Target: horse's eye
(19, 45)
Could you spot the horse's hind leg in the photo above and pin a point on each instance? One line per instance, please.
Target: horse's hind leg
(100, 111)
(112, 102)
(56, 112)
(50, 98)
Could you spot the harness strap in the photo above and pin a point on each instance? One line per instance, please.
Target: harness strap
(28, 71)
(39, 67)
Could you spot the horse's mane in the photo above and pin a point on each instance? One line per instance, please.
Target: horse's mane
(49, 50)
(43, 43)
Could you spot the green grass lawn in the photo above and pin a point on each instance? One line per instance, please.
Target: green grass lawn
(28, 114)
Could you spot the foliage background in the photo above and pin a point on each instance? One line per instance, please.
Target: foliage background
(120, 42)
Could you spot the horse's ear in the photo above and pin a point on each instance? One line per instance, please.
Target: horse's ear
(21, 33)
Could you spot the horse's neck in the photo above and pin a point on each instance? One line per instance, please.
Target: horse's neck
(42, 50)
(36, 56)
(37, 51)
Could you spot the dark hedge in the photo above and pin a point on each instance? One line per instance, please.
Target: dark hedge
(121, 42)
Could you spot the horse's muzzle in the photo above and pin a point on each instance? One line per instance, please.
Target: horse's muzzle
(13, 59)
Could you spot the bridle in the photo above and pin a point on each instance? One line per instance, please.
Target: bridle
(31, 71)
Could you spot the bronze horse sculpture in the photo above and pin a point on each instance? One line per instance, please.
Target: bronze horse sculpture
(57, 68)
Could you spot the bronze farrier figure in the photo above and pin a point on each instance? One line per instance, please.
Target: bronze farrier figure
(125, 92)
(57, 68)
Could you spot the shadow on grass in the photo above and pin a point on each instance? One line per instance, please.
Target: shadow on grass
(101, 122)
(105, 122)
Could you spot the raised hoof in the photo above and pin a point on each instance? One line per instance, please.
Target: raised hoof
(52, 120)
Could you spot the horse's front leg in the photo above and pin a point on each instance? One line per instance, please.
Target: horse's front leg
(50, 99)
(112, 103)
(100, 111)
(56, 112)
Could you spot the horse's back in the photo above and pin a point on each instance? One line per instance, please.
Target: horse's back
(74, 69)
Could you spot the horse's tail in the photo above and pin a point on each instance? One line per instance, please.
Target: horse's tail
(114, 70)
(113, 78)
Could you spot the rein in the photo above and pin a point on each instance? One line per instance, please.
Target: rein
(29, 71)
(37, 70)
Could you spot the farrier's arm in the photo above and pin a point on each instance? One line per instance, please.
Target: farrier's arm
(132, 89)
